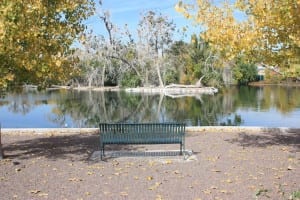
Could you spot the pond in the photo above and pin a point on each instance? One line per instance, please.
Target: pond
(267, 106)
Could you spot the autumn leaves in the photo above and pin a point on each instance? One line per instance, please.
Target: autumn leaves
(261, 30)
(36, 37)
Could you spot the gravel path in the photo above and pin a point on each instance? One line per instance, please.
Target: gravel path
(237, 165)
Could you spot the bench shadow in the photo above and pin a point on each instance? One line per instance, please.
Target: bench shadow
(165, 154)
(269, 137)
(69, 147)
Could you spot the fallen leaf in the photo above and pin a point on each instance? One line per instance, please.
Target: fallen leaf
(169, 162)
(18, 169)
(149, 178)
(115, 163)
(42, 194)
(152, 163)
(291, 159)
(215, 170)
(191, 158)
(206, 191)
(229, 181)
(34, 191)
(75, 179)
(213, 159)
(123, 193)
(284, 149)
(155, 186)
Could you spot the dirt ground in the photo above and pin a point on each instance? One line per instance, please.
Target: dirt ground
(237, 165)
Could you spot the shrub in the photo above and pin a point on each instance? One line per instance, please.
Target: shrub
(244, 73)
(131, 80)
(171, 76)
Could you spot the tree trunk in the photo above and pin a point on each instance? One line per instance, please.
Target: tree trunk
(147, 82)
(161, 83)
(199, 82)
(78, 83)
(90, 80)
(103, 76)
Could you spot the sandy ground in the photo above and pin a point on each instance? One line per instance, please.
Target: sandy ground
(239, 165)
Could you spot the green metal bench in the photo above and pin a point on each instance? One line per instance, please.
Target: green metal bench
(141, 133)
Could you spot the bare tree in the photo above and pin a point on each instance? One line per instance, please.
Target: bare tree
(120, 53)
(154, 36)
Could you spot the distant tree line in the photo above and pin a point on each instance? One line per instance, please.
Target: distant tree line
(153, 58)
(37, 44)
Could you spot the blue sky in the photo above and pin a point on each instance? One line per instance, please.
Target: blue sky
(129, 12)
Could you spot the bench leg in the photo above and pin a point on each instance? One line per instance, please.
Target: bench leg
(102, 152)
(181, 149)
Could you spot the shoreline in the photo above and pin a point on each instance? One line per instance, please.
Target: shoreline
(262, 83)
(189, 129)
(160, 90)
(173, 91)
(151, 90)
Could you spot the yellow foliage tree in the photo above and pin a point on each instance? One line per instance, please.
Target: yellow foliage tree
(35, 39)
(269, 30)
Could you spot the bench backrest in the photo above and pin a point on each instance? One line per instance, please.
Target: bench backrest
(142, 132)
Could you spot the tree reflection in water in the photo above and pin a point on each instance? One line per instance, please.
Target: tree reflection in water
(88, 108)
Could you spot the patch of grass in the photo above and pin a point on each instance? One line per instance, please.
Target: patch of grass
(262, 192)
(295, 195)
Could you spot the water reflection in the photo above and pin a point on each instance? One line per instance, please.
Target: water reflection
(250, 106)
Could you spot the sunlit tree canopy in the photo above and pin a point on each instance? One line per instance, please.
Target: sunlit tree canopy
(268, 31)
(35, 39)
